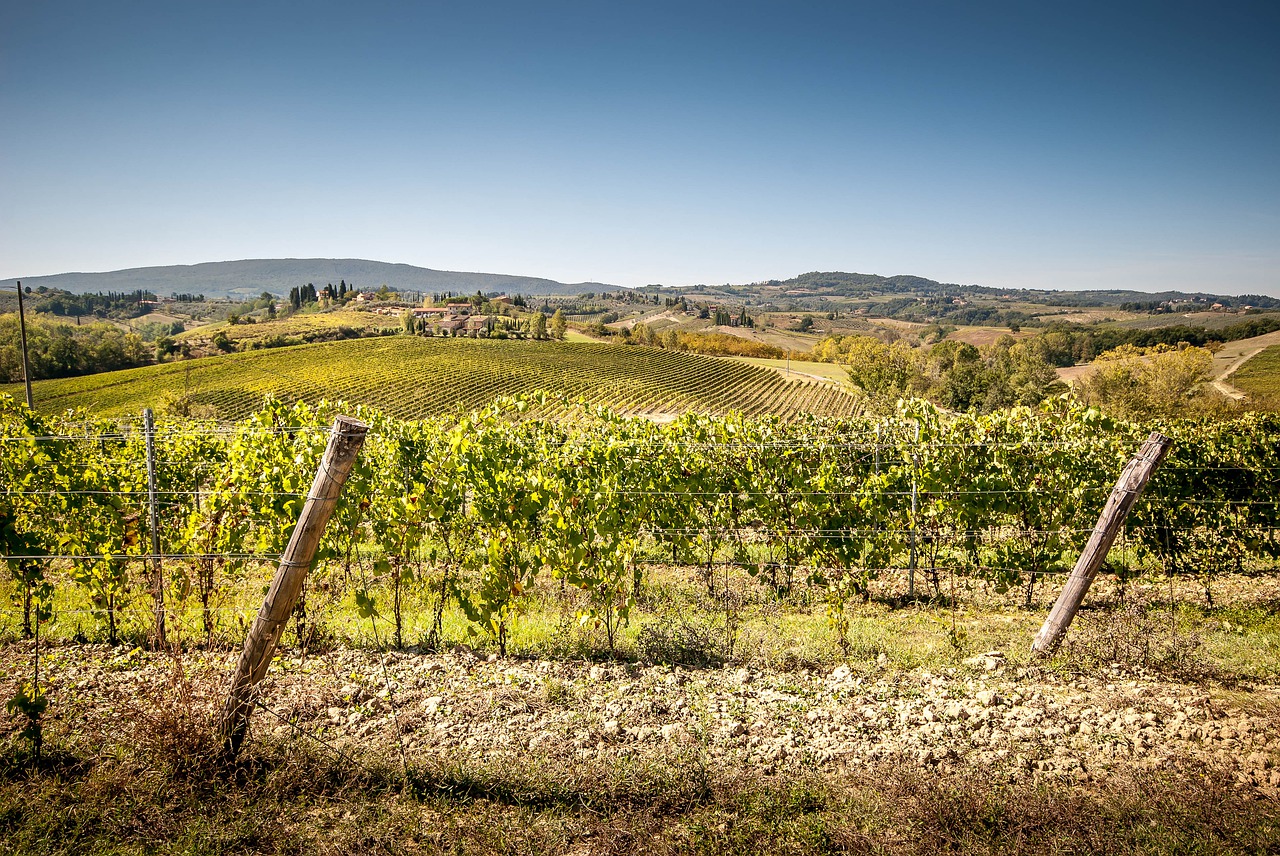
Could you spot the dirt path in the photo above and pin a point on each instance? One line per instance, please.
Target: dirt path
(1236, 354)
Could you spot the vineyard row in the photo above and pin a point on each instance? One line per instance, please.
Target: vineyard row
(412, 377)
(472, 512)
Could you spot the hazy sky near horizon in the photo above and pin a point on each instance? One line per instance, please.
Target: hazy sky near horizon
(1033, 144)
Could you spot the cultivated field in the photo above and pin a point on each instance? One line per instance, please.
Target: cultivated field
(415, 377)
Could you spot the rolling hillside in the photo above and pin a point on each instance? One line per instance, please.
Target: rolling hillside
(251, 277)
(413, 377)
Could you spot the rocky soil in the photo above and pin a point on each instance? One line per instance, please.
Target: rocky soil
(1011, 721)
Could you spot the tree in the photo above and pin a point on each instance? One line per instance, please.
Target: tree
(538, 326)
(557, 325)
(881, 371)
(1020, 375)
(1160, 381)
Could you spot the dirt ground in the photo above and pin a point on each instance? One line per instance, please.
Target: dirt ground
(1018, 722)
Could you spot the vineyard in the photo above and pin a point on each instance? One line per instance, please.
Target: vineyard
(601, 628)
(468, 514)
(410, 377)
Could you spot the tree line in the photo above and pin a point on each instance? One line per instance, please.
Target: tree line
(56, 349)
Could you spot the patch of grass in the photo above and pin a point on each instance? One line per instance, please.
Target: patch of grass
(676, 622)
(290, 798)
(682, 642)
(1138, 635)
(1260, 376)
(1242, 641)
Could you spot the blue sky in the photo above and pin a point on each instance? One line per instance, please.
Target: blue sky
(1045, 145)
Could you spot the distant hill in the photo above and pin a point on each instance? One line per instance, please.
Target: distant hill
(251, 277)
(839, 283)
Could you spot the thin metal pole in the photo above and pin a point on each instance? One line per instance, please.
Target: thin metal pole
(22, 329)
(149, 428)
(877, 450)
(35, 685)
(911, 567)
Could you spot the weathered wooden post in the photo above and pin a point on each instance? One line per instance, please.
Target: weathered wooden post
(339, 456)
(157, 580)
(1133, 479)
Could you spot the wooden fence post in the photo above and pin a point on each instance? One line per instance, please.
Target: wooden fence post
(1132, 481)
(22, 332)
(259, 646)
(157, 581)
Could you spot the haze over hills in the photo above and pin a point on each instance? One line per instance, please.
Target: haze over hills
(840, 284)
(251, 277)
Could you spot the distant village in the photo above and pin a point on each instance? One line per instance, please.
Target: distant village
(455, 318)
(475, 317)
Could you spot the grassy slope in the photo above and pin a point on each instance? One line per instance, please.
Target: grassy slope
(1260, 376)
(829, 372)
(411, 377)
(299, 328)
(290, 797)
(1208, 320)
(1233, 355)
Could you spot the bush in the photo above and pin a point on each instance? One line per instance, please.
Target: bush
(685, 643)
